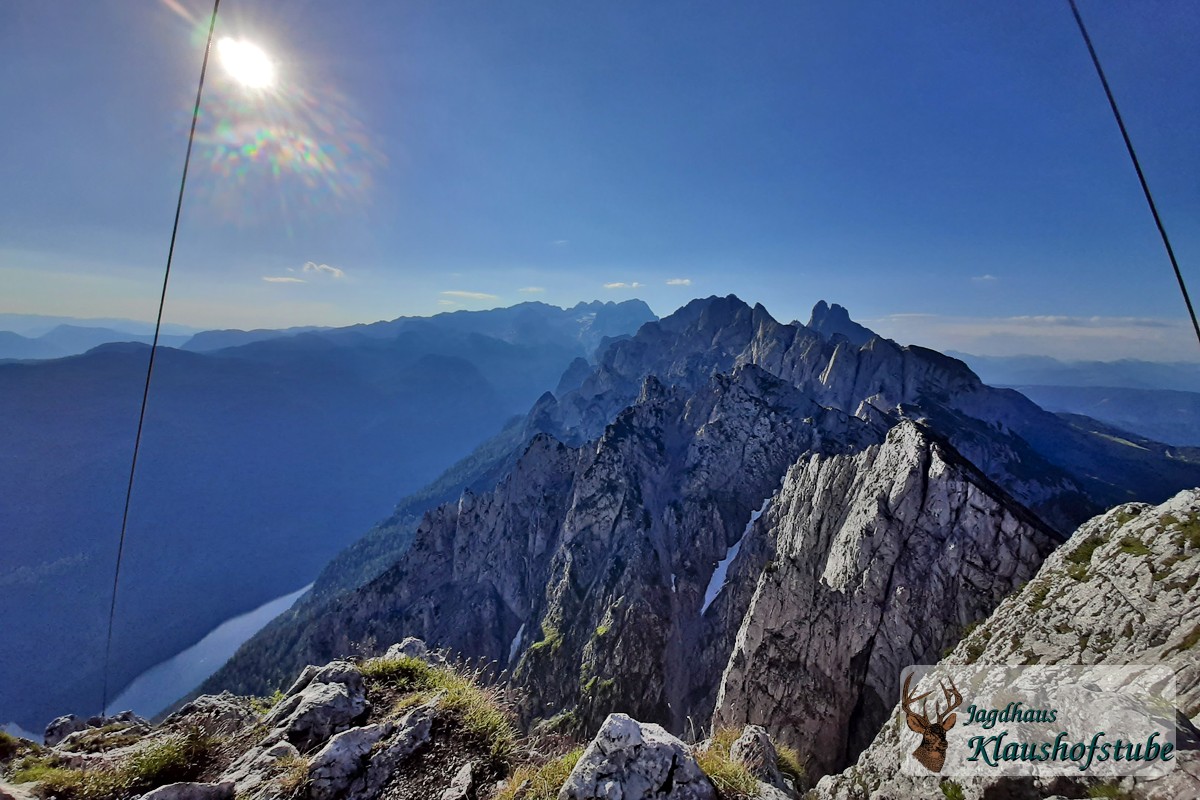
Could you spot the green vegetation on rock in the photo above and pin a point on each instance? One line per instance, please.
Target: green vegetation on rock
(480, 709)
(181, 757)
(540, 782)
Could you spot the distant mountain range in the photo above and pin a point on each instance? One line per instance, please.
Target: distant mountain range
(264, 454)
(723, 511)
(70, 340)
(1181, 376)
(1160, 401)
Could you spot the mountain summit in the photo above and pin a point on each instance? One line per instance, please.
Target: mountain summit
(728, 518)
(833, 320)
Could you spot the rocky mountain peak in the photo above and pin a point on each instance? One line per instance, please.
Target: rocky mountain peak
(833, 320)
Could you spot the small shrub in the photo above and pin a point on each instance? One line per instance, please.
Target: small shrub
(1109, 790)
(551, 639)
(1133, 546)
(1078, 572)
(263, 705)
(1038, 594)
(951, 790)
(1082, 555)
(544, 781)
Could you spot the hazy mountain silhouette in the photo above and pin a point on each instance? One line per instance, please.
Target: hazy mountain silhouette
(258, 464)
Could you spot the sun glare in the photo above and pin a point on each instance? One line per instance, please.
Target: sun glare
(246, 63)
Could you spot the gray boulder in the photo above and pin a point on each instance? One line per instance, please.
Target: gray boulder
(356, 764)
(412, 647)
(629, 760)
(256, 766)
(215, 714)
(63, 727)
(191, 791)
(463, 785)
(328, 701)
(343, 760)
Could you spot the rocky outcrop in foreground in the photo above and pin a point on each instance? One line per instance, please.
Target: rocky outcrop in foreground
(403, 726)
(1123, 590)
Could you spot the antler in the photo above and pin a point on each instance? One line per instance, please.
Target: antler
(953, 700)
(909, 697)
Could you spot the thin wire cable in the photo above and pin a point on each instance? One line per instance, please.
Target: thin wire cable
(1162, 231)
(137, 441)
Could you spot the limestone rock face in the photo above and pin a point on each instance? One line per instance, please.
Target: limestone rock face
(356, 764)
(629, 760)
(216, 715)
(612, 575)
(321, 703)
(1123, 590)
(881, 559)
(62, 727)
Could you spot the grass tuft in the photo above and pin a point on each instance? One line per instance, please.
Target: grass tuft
(540, 782)
(177, 758)
(293, 774)
(732, 779)
(1133, 546)
(482, 710)
(9, 745)
(1108, 790)
(790, 765)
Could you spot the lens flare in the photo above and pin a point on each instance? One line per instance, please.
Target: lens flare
(296, 150)
(246, 63)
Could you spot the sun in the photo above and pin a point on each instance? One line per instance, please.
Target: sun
(246, 63)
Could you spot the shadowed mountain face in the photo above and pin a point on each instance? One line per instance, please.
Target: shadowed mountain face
(663, 538)
(258, 464)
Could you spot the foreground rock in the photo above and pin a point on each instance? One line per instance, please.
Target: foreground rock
(1123, 590)
(405, 726)
(320, 703)
(629, 760)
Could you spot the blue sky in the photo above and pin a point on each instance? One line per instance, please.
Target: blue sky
(948, 171)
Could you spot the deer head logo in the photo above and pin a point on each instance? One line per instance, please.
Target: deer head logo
(932, 750)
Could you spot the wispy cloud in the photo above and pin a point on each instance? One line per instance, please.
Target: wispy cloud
(471, 295)
(532, 289)
(448, 303)
(1067, 337)
(985, 279)
(324, 269)
(282, 279)
(560, 243)
(679, 282)
(623, 285)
